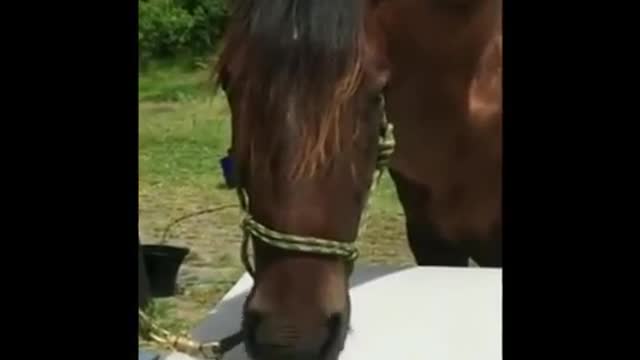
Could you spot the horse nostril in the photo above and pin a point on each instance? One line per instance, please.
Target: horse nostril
(252, 320)
(334, 322)
(336, 332)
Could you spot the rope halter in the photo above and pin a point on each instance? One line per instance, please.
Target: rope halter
(308, 244)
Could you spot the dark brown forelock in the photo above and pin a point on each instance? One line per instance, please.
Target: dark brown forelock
(312, 75)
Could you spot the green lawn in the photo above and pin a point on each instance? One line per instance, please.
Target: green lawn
(183, 132)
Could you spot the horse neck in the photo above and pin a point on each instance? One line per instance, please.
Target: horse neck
(436, 54)
(433, 76)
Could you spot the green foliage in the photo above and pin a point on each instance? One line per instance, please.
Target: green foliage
(164, 29)
(171, 28)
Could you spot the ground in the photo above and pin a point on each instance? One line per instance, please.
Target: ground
(183, 132)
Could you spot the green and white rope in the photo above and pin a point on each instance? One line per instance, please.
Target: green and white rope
(299, 243)
(181, 343)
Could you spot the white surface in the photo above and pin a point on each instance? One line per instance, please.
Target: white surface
(178, 356)
(411, 313)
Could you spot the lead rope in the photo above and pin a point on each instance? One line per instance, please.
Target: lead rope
(216, 349)
(184, 344)
(152, 331)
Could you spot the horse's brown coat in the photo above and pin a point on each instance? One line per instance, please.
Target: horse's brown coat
(445, 99)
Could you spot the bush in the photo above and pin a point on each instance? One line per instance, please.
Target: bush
(210, 17)
(171, 28)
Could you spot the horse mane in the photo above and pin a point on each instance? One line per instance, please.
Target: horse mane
(296, 65)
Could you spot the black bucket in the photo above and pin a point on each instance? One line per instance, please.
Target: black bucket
(226, 164)
(163, 263)
(144, 292)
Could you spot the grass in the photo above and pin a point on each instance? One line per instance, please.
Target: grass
(183, 132)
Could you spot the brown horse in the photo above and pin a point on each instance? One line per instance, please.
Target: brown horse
(305, 80)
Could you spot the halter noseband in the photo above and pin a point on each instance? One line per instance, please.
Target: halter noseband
(307, 244)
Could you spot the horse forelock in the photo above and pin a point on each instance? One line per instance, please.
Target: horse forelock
(296, 65)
